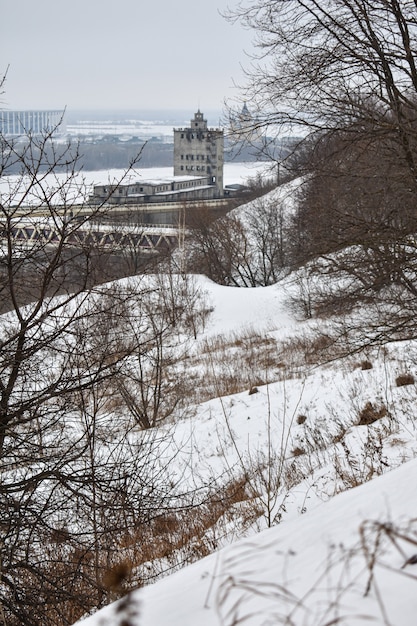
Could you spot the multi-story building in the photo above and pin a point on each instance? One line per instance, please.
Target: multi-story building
(199, 151)
(34, 123)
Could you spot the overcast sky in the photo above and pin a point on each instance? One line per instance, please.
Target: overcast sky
(120, 54)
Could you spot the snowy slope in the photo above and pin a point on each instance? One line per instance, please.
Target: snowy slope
(254, 307)
(310, 571)
(314, 567)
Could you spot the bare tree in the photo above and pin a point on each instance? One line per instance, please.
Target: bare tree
(245, 248)
(65, 500)
(342, 75)
(321, 65)
(355, 223)
(151, 382)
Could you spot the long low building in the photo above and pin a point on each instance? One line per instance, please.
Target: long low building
(148, 191)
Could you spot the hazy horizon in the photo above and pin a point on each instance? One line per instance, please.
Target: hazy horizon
(147, 113)
(120, 56)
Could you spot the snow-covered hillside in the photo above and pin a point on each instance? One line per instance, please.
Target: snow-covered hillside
(299, 433)
(344, 563)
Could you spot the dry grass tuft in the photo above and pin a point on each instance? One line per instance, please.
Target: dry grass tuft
(115, 577)
(404, 379)
(297, 451)
(371, 414)
(179, 537)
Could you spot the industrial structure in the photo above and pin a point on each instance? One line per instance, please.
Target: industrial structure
(198, 171)
(199, 151)
(31, 123)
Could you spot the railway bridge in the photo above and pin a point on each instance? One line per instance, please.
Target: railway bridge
(29, 233)
(152, 227)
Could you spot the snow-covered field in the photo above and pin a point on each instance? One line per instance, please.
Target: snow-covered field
(141, 129)
(339, 552)
(132, 126)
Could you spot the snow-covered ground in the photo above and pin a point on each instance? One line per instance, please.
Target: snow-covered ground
(132, 126)
(344, 563)
(331, 557)
(339, 494)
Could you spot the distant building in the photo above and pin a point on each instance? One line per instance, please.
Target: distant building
(34, 123)
(198, 171)
(245, 127)
(199, 151)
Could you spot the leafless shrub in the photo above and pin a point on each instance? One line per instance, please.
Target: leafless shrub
(340, 434)
(115, 577)
(245, 249)
(354, 468)
(179, 536)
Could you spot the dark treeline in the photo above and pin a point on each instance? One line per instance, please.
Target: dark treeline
(112, 153)
(105, 154)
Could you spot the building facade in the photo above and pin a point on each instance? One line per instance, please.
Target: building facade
(35, 123)
(149, 192)
(199, 151)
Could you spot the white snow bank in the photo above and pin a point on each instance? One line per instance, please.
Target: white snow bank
(312, 569)
(237, 308)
